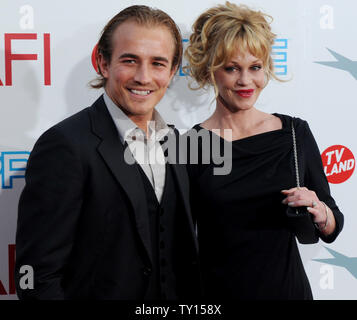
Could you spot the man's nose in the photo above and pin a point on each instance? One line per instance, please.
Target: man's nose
(142, 74)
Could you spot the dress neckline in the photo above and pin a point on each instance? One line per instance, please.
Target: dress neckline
(283, 129)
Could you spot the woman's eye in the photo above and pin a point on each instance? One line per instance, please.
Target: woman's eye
(257, 67)
(230, 69)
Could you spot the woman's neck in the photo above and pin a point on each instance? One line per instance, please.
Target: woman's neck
(243, 123)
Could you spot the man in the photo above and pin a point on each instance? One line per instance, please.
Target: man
(92, 224)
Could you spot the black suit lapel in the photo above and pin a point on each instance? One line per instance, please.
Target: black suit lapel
(113, 153)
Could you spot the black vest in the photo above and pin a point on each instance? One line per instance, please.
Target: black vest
(162, 216)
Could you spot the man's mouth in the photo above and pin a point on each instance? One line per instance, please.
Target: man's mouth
(140, 92)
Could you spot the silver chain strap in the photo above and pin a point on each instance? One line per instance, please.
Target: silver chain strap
(295, 156)
(295, 159)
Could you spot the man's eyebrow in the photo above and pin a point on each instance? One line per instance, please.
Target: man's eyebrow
(129, 55)
(161, 59)
(134, 56)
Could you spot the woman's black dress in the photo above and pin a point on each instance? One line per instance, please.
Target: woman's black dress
(246, 249)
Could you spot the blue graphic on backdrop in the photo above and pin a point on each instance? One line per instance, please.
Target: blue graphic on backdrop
(12, 166)
(342, 63)
(341, 260)
(279, 53)
(182, 74)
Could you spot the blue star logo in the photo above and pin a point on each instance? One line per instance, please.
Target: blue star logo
(342, 63)
(341, 260)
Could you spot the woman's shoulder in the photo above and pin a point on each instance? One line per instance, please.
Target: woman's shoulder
(288, 120)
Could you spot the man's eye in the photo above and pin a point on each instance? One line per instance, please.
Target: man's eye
(128, 61)
(158, 64)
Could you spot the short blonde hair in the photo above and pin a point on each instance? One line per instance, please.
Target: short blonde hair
(219, 32)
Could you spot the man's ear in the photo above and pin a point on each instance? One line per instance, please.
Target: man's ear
(103, 65)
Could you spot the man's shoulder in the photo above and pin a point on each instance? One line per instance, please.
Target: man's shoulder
(76, 127)
(80, 120)
(74, 122)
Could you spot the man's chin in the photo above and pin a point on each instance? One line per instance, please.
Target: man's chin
(139, 111)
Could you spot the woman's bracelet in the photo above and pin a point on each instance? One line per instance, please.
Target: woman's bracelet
(326, 223)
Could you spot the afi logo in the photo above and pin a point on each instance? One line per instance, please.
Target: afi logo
(12, 165)
(10, 56)
(339, 163)
(11, 260)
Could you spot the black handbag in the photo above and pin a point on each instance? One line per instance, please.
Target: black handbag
(299, 219)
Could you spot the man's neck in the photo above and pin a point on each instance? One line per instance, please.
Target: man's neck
(141, 121)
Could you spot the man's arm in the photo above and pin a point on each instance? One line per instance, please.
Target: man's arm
(48, 212)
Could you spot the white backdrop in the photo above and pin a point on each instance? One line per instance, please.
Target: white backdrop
(315, 49)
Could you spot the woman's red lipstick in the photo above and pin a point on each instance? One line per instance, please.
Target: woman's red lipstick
(245, 93)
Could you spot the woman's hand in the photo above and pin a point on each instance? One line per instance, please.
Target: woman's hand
(322, 215)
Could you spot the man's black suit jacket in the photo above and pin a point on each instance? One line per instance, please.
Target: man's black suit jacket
(82, 220)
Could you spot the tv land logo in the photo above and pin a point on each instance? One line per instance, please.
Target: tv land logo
(12, 166)
(279, 52)
(339, 163)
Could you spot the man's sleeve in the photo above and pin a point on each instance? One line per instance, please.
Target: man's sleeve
(48, 212)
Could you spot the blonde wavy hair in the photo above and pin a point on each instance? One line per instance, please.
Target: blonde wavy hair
(217, 35)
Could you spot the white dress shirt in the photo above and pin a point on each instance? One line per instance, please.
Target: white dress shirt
(147, 151)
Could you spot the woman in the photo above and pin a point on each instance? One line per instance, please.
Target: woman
(247, 251)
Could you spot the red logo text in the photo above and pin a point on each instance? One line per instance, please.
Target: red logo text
(10, 56)
(339, 163)
(11, 259)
